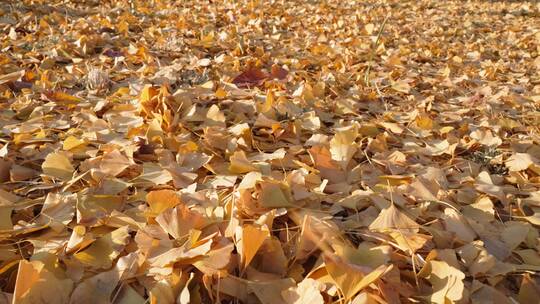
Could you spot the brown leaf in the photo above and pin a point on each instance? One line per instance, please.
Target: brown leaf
(252, 77)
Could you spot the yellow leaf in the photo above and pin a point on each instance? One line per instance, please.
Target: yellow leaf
(446, 281)
(216, 259)
(214, 116)
(240, 163)
(5, 218)
(275, 195)
(91, 208)
(268, 291)
(59, 208)
(154, 173)
(128, 295)
(456, 223)
(401, 86)
(185, 252)
(104, 250)
(64, 97)
(351, 279)
(369, 28)
(267, 105)
(424, 122)
(342, 145)
(252, 239)
(396, 180)
(72, 142)
(36, 283)
(392, 218)
(307, 292)
(519, 161)
(145, 99)
(100, 287)
(178, 221)
(58, 165)
(121, 91)
(250, 180)
(220, 93)
(113, 163)
(161, 200)
(446, 129)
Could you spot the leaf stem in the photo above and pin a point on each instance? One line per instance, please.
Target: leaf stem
(374, 50)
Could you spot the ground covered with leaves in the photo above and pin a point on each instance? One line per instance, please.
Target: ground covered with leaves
(269, 152)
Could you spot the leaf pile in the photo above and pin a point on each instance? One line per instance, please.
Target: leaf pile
(269, 152)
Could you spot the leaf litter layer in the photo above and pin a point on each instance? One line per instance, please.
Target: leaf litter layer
(269, 152)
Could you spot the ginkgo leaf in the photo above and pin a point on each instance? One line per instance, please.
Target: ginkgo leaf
(393, 218)
(269, 152)
(274, 195)
(519, 161)
(104, 250)
(58, 165)
(447, 282)
(113, 163)
(216, 259)
(63, 97)
(250, 180)
(92, 208)
(307, 292)
(351, 278)
(36, 283)
(240, 163)
(178, 221)
(215, 116)
(146, 97)
(7, 204)
(155, 174)
(72, 142)
(162, 200)
(424, 122)
(252, 237)
(99, 288)
(128, 295)
(454, 222)
(268, 291)
(401, 86)
(185, 252)
(486, 137)
(342, 145)
(58, 208)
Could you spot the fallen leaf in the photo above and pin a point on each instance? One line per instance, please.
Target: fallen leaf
(252, 77)
(307, 292)
(252, 238)
(519, 161)
(102, 252)
(58, 166)
(446, 281)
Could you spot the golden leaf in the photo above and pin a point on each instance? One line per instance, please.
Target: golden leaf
(58, 165)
